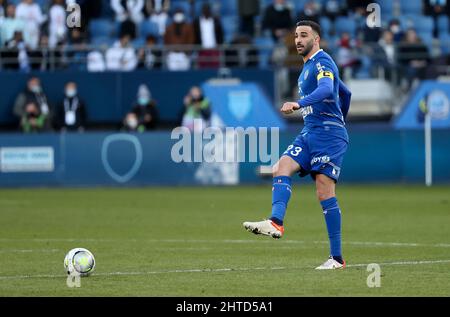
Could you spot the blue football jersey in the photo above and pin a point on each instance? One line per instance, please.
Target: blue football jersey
(328, 111)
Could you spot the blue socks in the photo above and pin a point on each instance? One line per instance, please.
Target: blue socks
(332, 215)
(281, 193)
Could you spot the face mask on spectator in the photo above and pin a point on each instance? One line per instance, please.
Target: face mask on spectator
(36, 89)
(279, 6)
(71, 93)
(395, 28)
(178, 18)
(132, 122)
(143, 101)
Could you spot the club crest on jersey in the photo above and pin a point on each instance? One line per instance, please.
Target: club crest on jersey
(306, 74)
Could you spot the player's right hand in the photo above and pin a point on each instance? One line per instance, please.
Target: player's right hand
(289, 107)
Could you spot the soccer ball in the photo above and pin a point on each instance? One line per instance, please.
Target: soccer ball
(79, 261)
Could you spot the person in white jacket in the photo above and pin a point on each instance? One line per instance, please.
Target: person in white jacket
(31, 14)
(57, 25)
(131, 9)
(121, 57)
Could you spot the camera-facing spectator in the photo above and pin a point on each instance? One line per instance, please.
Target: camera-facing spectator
(311, 12)
(158, 12)
(278, 19)
(209, 34)
(32, 94)
(179, 33)
(16, 55)
(122, 56)
(57, 29)
(247, 11)
(196, 107)
(32, 15)
(150, 56)
(71, 113)
(144, 115)
(10, 24)
(32, 119)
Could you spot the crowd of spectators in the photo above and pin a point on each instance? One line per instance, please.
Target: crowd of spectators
(36, 113)
(120, 35)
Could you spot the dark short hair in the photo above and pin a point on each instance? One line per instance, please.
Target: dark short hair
(315, 26)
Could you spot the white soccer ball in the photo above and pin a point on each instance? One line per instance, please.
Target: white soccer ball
(79, 261)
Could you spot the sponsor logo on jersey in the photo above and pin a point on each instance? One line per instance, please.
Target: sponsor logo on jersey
(306, 111)
(321, 159)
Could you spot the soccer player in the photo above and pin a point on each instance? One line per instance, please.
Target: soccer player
(320, 147)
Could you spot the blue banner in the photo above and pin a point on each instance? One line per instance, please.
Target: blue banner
(432, 96)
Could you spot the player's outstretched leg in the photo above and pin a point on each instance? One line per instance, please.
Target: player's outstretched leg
(327, 197)
(281, 193)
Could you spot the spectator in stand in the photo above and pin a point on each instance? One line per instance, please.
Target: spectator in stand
(209, 34)
(16, 56)
(311, 11)
(332, 9)
(10, 24)
(96, 62)
(32, 119)
(358, 7)
(32, 94)
(346, 57)
(121, 57)
(436, 8)
(248, 10)
(413, 57)
(71, 112)
(196, 107)
(31, 14)
(396, 29)
(278, 19)
(57, 23)
(179, 33)
(2, 10)
(158, 12)
(130, 14)
(45, 58)
(384, 55)
(150, 57)
(144, 116)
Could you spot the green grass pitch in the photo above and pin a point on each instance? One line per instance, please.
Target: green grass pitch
(190, 242)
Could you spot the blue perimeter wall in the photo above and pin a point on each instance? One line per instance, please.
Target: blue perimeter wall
(110, 159)
(109, 96)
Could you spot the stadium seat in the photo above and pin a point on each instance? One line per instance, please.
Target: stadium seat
(226, 7)
(103, 40)
(101, 28)
(148, 28)
(387, 7)
(230, 25)
(411, 7)
(443, 24)
(174, 5)
(344, 24)
(424, 24)
(297, 6)
(265, 46)
(444, 39)
(326, 26)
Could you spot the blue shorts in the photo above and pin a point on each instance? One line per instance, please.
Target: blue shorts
(318, 153)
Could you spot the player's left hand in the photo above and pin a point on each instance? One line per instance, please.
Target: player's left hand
(289, 107)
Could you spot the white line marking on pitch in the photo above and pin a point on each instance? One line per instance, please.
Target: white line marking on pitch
(424, 262)
(356, 243)
(29, 251)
